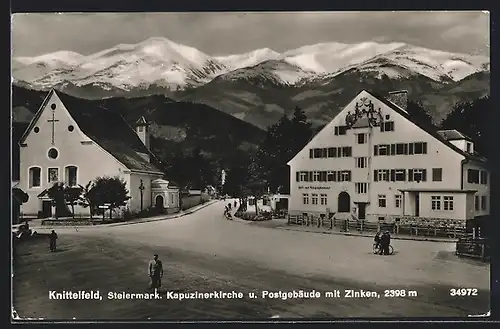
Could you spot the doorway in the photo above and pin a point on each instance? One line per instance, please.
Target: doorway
(159, 205)
(362, 210)
(417, 204)
(46, 209)
(344, 202)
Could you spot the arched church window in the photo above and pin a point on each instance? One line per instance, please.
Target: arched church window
(53, 153)
(36, 130)
(71, 176)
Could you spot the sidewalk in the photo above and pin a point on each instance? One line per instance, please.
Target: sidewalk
(282, 225)
(37, 223)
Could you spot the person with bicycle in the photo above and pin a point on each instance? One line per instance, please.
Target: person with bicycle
(377, 239)
(385, 242)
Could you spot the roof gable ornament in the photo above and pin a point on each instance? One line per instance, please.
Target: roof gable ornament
(364, 108)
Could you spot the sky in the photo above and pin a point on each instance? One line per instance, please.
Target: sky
(227, 33)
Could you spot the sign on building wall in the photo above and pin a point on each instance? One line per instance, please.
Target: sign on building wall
(314, 187)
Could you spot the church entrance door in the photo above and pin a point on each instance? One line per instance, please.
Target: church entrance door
(46, 209)
(159, 203)
(344, 202)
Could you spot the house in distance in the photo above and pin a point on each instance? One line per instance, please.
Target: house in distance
(73, 141)
(372, 163)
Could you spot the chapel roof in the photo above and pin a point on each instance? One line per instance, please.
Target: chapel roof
(108, 129)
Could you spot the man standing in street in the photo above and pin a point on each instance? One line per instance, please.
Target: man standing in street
(155, 270)
(53, 241)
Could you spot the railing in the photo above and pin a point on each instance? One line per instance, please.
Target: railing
(396, 228)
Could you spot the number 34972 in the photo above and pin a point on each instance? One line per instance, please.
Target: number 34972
(461, 292)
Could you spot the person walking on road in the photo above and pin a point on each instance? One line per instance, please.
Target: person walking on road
(155, 271)
(53, 241)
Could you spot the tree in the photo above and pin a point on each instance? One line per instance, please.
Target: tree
(110, 190)
(72, 195)
(419, 114)
(88, 198)
(56, 194)
(474, 119)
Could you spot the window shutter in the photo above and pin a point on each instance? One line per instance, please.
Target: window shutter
(405, 149)
(424, 148)
(349, 151)
(410, 174)
(424, 175)
(323, 176)
(375, 150)
(311, 176)
(297, 176)
(334, 176)
(339, 176)
(311, 153)
(375, 175)
(393, 175)
(382, 127)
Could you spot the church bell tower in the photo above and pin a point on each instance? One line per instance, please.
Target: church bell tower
(142, 130)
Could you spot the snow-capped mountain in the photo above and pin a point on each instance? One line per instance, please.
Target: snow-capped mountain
(159, 65)
(251, 58)
(157, 61)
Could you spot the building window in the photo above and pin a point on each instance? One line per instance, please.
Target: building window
(53, 175)
(340, 130)
(345, 176)
(331, 176)
(361, 162)
(332, 152)
(437, 174)
(361, 138)
(484, 206)
(387, 126)
(53, 154)
(35, 175)
(383, 149)
(346, 151)
(36, 130)
(71, 176)
(361, 188)
(469, 148)
(420, 148)
(71, 128)
(448, 203)
(435, 202)
(397, 199)
(382, 201)
(476, 202)
(303, 176)
(305, 198)
(323, 200)
(418, 175)
(473, 176)
(399, 175)
(314, 198)
(484, 177)
(316, 176)
(141, 129)
(381, 175)
(400, 149)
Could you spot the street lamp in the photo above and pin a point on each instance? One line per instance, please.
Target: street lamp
(141, 189)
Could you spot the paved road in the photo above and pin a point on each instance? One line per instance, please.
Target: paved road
(203, 252)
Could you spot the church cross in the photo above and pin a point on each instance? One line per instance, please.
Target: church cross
(53, 126)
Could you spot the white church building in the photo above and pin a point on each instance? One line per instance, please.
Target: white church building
(73, 141)
(371, 162)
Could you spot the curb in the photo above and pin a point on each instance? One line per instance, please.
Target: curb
(368, 236)
(178, 215)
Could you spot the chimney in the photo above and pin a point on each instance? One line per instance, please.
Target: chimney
(400, 98)
(142, 130)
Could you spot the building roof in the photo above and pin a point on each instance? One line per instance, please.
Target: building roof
(361, 123)
(452, 134)
(107, 128)
(427, 128)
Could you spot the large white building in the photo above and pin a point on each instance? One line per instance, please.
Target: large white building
(371, 162)
(73, 141)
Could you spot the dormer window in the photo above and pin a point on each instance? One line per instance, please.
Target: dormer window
(469, 147)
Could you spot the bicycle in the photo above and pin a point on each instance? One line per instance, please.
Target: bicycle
(377, 246)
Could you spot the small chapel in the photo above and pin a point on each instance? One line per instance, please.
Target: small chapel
(73, 141)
